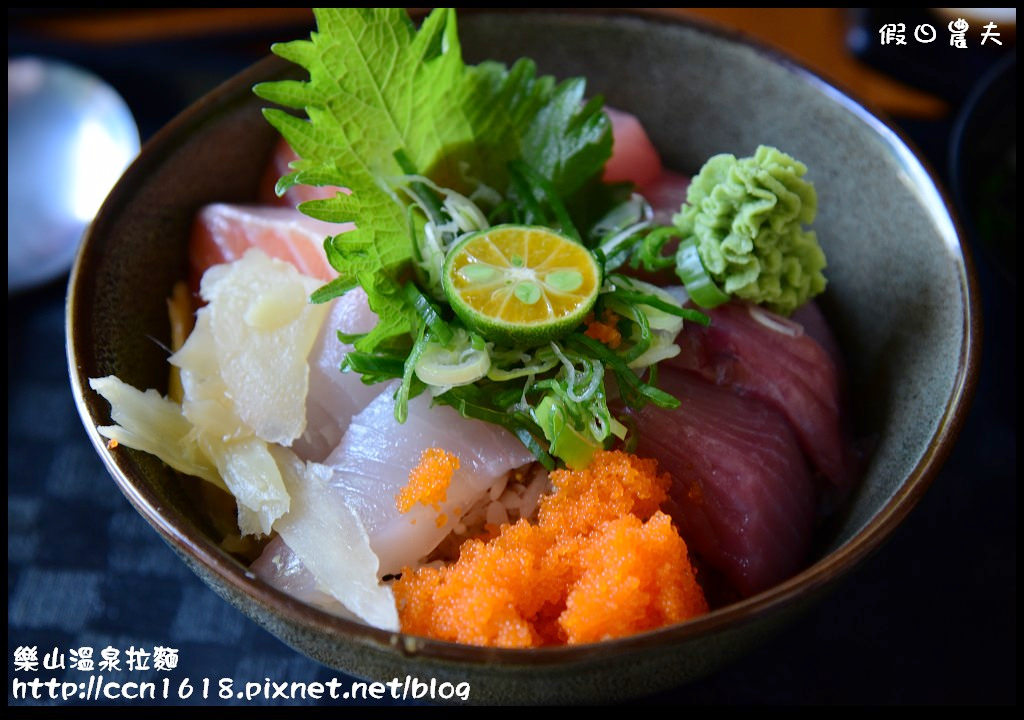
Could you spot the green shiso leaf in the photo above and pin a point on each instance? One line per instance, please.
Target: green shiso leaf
(568, 142)
(379, 87)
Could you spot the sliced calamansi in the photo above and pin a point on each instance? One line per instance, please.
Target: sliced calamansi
(521, 285)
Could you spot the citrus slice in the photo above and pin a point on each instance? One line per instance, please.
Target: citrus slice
(520, 285)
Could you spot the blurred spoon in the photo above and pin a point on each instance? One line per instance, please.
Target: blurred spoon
(69, 138)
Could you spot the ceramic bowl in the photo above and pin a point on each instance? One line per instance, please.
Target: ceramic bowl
(901, 299)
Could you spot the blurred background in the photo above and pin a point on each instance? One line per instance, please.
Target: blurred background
(931, 620)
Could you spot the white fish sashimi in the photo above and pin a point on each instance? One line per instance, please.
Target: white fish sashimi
(281, 568)
(372, 465)
(331, 542)
(335, 396)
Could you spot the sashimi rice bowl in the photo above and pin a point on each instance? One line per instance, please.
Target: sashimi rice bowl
(538, 379)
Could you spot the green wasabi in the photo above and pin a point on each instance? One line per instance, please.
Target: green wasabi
(746, 219)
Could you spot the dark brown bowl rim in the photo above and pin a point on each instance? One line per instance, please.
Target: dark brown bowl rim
(812, 580)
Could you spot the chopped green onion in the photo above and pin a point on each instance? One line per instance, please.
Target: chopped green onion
(659, 304)
(634, 210)
(639, 317)
(425, 197)
(663, 347)
(699, 284)
(404, 391)
(568, 443)
(458, 363)
(617, 428)
(649, 254)
(534, 213)
(618, 232)
(464, 212)
(632, 387)
(591, 376)
(532, 179)
(472, 402)
(502, 370)
(430, 315)
(385, 366)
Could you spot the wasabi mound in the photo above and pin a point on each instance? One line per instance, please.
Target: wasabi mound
(747, 217)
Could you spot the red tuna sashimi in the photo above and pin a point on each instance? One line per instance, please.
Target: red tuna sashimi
(809, 316)
(279, 167)
(222, 233)
(766, 356)
(741, 493)
(667, 195)
(634, 158)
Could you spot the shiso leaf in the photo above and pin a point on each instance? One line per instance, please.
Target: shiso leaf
(377, 88)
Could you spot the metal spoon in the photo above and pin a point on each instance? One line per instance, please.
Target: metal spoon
(69, 138)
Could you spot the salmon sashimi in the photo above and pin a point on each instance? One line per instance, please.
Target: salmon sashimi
(222, 233)
(741, 491)
(279, 166)
(634, 158)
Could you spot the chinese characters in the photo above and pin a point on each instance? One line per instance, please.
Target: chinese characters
(925, 33)
(26, 659)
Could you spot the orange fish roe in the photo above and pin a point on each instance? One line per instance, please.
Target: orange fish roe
(602, 561)
(429, 480)
(605, 331)
(634, 576)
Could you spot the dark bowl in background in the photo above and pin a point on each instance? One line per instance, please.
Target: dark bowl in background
(983, 165)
